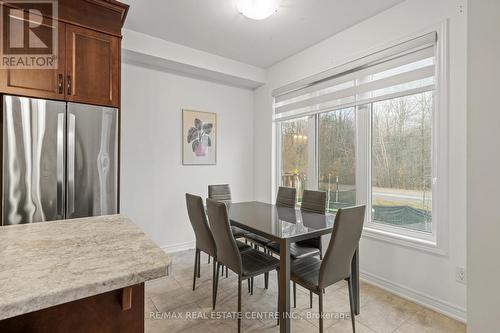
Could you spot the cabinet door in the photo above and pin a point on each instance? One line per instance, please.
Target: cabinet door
(92, 67)
(41, 83)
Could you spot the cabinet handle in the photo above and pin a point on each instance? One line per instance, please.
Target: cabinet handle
(60, 83)
(69, 84)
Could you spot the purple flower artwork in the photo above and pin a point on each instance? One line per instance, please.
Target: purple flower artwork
(199, 137)
(199, 144)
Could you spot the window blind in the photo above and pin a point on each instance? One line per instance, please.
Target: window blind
(404, 69)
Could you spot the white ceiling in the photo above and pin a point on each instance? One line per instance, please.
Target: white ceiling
(215, 26)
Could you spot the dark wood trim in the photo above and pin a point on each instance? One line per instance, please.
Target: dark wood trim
(119, 35)
(126, 298)
(104, 16)
(81, 13)
(118, 174)
(99, 313)
(120, 7)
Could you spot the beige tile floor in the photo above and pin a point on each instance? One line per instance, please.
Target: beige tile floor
(380, 311)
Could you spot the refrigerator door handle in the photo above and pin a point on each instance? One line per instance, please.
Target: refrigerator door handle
(60, 165)
(71, 164)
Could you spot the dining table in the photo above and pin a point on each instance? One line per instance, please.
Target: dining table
(286, 225)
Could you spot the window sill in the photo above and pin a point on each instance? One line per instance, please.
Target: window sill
(412, 242)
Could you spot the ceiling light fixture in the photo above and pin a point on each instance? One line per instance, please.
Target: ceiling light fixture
(258, 9)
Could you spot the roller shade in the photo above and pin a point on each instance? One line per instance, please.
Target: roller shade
(405, 69)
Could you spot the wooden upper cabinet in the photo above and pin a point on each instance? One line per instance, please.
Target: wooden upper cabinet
(92, 66)
(42, 83)
(89, 38)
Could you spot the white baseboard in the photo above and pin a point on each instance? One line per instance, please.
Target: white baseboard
(179, 247)
(418, 297)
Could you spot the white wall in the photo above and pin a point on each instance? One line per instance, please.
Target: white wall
(483, 165)
(425, 277)
(153, 179)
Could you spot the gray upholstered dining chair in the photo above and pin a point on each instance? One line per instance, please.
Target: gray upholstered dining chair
(204, 239)
(222, 193)
(313, 202)
(315, 274)
(246, 264)
(287, 197)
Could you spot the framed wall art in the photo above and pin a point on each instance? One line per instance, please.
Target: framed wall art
(199, 137)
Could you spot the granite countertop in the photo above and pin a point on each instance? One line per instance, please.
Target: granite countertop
(50, 263)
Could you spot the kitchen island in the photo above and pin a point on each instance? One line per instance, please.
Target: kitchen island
(80, 275)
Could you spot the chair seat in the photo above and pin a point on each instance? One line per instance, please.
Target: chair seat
(238, 232)
(255, 262)
(305, 271)
(296, 251)
(242, 246)
(257, 239)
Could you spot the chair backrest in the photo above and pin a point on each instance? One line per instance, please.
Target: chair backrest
(221, 193)
(227, 250)
(204, 238)
(314, 201)
(336, 264)
(287, 197)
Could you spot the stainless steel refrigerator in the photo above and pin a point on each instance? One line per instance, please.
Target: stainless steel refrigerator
(60, 160)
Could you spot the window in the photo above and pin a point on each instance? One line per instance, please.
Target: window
(337, 157)
(365, 134)
(295, 154)
(401, 162)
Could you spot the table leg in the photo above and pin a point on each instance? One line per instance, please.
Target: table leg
(355, 280)
(284, 287)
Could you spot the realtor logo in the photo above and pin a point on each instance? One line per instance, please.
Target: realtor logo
(28, 34)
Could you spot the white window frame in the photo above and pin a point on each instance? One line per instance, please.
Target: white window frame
(312, 154)
(436, 241)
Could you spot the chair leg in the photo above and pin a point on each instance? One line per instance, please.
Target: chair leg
(251, 286)
(227, 270)
(208, 261)
(222, 271)
(310, 299)
(217, 278)
(320, 312)
(199, 264)
(266, 280)
(351, 303)
(195, 274)
(294, 295)
(239, 304)
(214, 284)
(278, 305)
